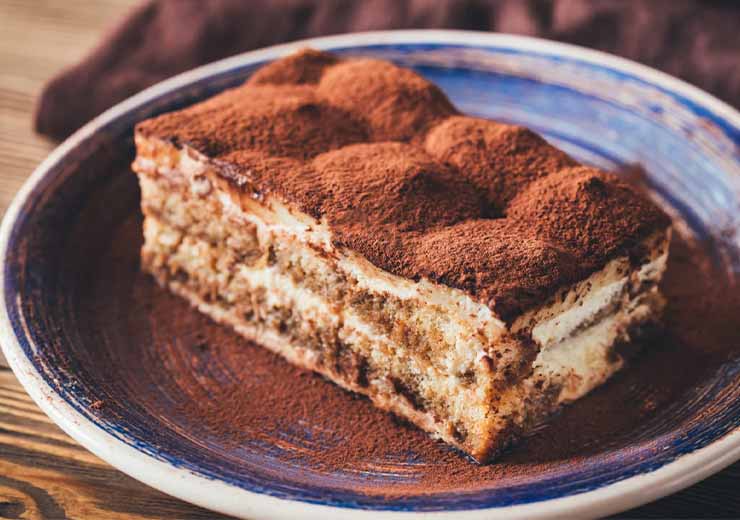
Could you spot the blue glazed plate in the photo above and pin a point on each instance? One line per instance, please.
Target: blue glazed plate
(67, 303)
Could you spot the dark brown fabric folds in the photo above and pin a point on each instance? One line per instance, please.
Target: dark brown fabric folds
(692, 39)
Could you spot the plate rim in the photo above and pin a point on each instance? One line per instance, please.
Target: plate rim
(219, 496)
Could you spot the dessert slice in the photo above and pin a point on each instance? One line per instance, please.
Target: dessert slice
(459, 272)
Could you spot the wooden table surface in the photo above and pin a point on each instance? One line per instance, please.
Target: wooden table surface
(43, 472)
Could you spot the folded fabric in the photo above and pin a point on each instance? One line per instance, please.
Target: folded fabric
(692, 39)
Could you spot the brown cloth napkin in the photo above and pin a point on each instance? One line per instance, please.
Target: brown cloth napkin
(698, 41)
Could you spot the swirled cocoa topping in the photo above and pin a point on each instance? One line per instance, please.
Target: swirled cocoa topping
(382, 156)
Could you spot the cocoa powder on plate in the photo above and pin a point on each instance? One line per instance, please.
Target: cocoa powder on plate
(700, 334)
(153, 354)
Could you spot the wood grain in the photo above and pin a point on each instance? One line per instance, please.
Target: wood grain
(43, 472)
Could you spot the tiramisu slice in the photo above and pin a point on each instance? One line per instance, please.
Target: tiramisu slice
(459, 272)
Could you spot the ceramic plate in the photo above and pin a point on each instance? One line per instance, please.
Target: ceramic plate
(95, 343)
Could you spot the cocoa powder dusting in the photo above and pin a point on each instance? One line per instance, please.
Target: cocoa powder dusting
(303, 67)
(381, 155)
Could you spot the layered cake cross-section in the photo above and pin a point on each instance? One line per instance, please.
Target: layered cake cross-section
(461, 273)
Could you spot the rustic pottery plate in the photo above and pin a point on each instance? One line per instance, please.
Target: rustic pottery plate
(115, 361)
